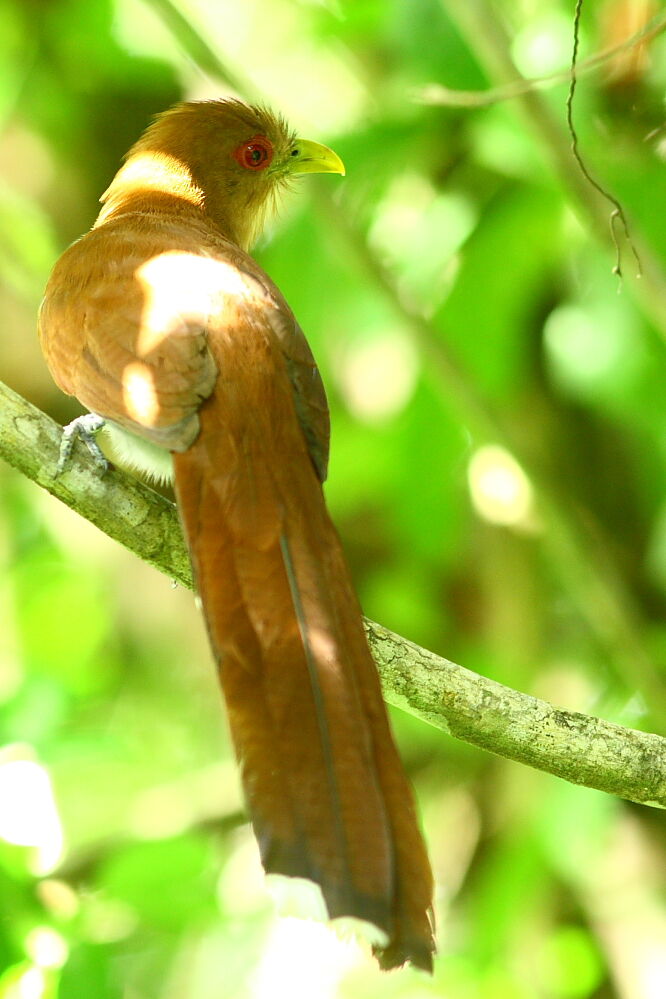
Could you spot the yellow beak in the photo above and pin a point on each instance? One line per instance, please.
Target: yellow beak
(311, 157)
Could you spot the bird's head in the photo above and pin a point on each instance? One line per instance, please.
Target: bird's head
(223, 157)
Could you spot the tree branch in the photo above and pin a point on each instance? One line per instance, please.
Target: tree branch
(577, 747)
(120, 505)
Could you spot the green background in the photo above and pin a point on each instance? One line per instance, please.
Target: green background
(457, 289)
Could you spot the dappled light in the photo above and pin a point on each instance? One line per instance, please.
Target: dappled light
(498, 462)
(500, 490)
(28, 814)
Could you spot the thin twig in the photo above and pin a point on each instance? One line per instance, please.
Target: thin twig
(437, 94)
(576, 747)
(195, 46)
(618, 210)
(481, 23)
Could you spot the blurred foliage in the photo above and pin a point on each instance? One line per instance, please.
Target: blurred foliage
(498, 469)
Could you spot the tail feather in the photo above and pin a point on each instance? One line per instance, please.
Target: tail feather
(326, 577)
(325, 735)
(326, 791)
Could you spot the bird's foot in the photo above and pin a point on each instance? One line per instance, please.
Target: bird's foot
(86, 427)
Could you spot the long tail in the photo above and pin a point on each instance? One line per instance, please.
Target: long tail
(326, 791)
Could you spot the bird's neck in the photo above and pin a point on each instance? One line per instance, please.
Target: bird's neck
(156, 183)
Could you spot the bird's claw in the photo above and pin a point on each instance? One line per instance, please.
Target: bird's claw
(86, 427)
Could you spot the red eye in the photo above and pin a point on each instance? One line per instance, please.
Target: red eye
(255, 154)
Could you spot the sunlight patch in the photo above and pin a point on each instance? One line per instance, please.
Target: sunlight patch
(500, 490)
(28, 815)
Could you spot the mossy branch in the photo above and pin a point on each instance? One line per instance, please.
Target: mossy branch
(579, 748)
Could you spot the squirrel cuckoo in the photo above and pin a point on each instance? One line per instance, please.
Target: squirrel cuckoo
(158, 321)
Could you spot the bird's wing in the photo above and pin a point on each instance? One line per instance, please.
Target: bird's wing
(307, 386)
(123, 328)
(125, 320)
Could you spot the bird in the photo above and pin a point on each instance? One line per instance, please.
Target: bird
(164, 327)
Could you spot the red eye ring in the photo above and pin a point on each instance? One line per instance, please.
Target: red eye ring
(255, 154)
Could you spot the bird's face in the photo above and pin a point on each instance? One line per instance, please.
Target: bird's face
(233, 159)
(262, 155)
